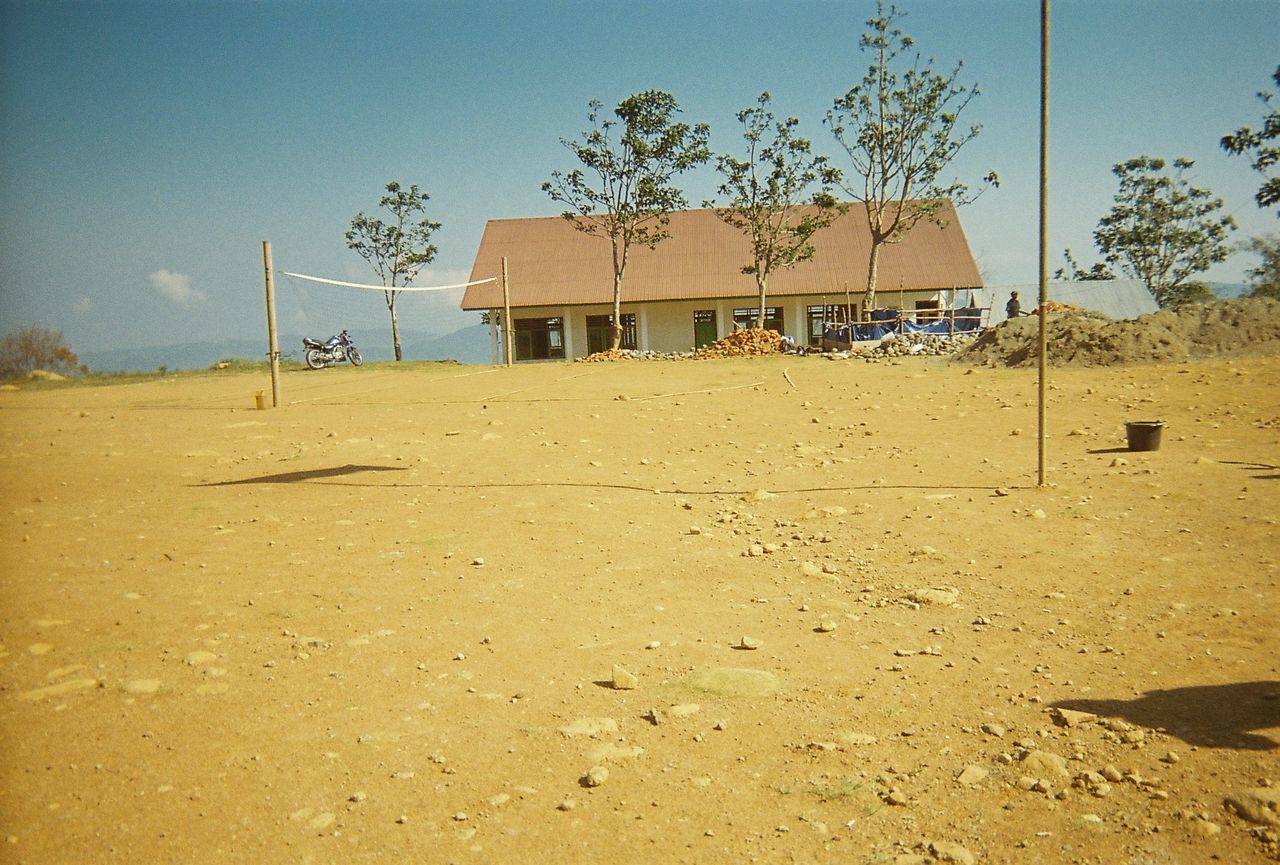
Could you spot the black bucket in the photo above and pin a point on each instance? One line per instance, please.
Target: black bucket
(1143, 435)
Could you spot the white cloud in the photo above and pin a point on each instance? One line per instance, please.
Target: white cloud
(176, 287)
(83, 306)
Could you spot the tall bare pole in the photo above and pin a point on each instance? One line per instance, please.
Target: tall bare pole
(273, 340)
(1044, 231)
(506, 314)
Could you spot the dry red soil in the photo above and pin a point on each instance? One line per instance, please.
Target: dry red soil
(768, 610)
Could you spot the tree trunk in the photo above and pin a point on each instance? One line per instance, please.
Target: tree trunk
(873, 266)
(616, 340)
(762, 282)
(395, 331)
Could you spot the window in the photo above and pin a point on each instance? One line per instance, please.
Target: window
(600, 332)
(927, 311)
(820, 317)
(746, 317)
(539, 338)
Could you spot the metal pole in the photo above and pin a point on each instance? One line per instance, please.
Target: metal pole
(273, 341)
(1044, 230)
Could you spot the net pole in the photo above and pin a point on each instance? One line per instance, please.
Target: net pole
(273, 339)
(1044, 237)
(506, 314)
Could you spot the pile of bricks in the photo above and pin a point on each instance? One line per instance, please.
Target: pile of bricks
(741, 343)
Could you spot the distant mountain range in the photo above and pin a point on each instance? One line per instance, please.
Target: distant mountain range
(468, 345)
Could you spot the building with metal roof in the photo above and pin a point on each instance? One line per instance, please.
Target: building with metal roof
(690, 290)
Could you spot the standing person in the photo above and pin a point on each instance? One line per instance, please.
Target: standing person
(1013, 308)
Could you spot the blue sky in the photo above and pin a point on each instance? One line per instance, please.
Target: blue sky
(148, 148)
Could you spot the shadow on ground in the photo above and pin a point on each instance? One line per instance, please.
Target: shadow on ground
(308, 475)
(1211, 716)
(1257, 467)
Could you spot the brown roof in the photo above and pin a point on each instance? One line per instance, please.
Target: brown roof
(550, 263)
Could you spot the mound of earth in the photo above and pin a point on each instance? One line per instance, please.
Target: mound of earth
(1226, 328)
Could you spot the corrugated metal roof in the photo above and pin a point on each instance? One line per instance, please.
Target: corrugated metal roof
(550, 263)
(1118, 298)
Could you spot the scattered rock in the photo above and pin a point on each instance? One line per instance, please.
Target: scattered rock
(1260, 805)
(945, 851)
(1044, 764)
(595, 776)
(943, 596)
(590, 727)
(972, 775)
(623, 680)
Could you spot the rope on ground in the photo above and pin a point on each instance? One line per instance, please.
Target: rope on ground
(787, 375)
(691, 392)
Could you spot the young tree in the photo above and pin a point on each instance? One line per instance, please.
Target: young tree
(1162, 230)
(769, 194)
(1264, 280)
(1263, 146)
(398, 249)
(35, 347)
(1074, 271)
(899, 126)
(625, 193)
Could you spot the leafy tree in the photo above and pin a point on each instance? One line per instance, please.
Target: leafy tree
(626, 192)
(1193, 291)
(1074, 271)
(769, 194)
(1162, 230)
(1262, 146)
(1264, 280)
(36, 347)
(397, 249)
(900, 128)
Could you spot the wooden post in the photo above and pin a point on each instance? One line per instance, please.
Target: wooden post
(1044, 235)
(506, 312)
(273, 341)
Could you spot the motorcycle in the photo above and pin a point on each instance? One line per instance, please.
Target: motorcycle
(335, 349)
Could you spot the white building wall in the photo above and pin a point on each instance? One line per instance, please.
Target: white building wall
(668, 326)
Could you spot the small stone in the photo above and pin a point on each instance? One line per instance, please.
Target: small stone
(1260, 805)
(996, 730)
(748, 643)
(1070, 717)
(623, 680)
(895, 797)
(1112, 774)
(1044, 764)
(946, 851)
(826, 627)
(972, 775)
(567, 805)
(595, 776)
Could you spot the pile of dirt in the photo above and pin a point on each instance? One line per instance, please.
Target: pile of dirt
(1248, 327)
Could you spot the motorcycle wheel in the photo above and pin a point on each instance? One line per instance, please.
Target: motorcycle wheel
(314, 359)
(354, 356)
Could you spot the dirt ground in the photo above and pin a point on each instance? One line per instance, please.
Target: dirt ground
(772, 610)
